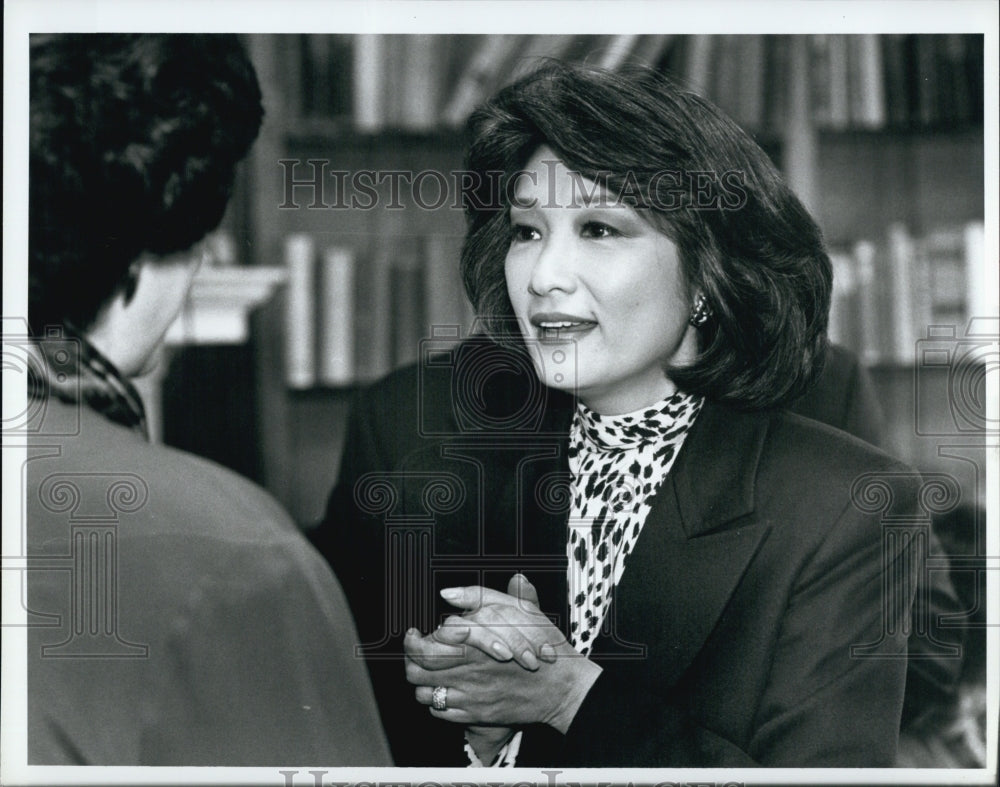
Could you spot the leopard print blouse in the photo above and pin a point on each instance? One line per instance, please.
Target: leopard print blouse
(617, 463)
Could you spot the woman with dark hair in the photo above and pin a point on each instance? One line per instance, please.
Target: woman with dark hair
(708, 580)
(178, 616)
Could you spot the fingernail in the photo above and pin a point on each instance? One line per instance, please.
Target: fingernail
(547, 652)
(451, 594)
(411, 632)
(502, 651)
(529, 660)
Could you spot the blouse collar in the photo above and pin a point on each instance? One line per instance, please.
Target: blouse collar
(666, 420)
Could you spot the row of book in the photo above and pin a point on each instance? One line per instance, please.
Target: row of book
(897, 81)
(353, 317)
(887, 294)
(421, 82)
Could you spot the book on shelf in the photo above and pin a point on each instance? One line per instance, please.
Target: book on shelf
(821, 91)
(419, 82)
(842, 327)
(617, 52)
(326, 75)
(776, 82)
(871, 347)
(300, 312)
(894, 54)
(651, 49)
(839, 82)
(369, 75)
(353, 319)
(910, 297)
(407, 304)
(926, 74)
(698, 63)
(893, 291)
(534, 51)
(751, 81)
(373, 318)
(872, 112)
(336, 311)
(483, 70)
(982, 295)
(422, 78)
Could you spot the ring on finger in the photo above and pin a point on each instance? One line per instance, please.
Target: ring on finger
(439, 698)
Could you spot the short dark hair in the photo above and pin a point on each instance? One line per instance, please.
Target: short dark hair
(745, 240)
(134, 144)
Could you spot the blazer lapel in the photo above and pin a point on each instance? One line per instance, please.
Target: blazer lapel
(697, 541)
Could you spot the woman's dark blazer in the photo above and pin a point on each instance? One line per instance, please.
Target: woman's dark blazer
(761, 618)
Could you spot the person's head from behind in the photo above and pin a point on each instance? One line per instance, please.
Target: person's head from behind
(625, 203)
(134, 145)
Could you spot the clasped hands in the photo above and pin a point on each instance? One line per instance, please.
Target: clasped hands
(503, 662)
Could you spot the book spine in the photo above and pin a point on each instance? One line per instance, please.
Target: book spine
(373, 319)
(894, 68)
(478, 79)
(300, 328)
(407, 306)
(336, 361)
(369, 77)
(698, 63)
(983, 296)
(873, 113)
(902, 262)
(842, 324)
(946, 259)
(839, 81)
(617, 51)
(752, 81)
(855, 82)
(776, 82)
(927, 80)
(869, 325)
(422, 82)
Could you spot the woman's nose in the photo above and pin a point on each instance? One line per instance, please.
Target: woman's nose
(554, 268)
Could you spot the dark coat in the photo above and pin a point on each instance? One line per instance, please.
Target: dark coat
(217, 635)
(762, 563)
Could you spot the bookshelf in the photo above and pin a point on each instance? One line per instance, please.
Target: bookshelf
(874, 131)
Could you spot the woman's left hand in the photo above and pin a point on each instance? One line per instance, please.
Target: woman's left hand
(484, 690)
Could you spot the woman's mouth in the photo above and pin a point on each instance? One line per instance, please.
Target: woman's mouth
(556, 327)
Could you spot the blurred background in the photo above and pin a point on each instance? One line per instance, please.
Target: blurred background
(309, 298)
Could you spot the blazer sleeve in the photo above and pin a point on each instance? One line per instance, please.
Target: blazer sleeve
(833, 693)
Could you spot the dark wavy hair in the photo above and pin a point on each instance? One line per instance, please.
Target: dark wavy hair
(745, 240)
(134, 144)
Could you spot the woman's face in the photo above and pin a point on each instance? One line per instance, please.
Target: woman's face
(589, 278)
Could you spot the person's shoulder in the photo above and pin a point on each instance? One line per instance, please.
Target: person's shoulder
(804, 441)
(810, 458)
(167, 490)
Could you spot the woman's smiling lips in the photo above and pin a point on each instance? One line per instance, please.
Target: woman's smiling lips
(556, 325)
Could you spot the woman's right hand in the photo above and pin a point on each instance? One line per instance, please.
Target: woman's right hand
(494, 623)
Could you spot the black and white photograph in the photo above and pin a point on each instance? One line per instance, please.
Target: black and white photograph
(452, 393)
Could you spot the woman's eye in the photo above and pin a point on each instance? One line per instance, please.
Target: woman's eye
(522, 232)
(597, 229)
